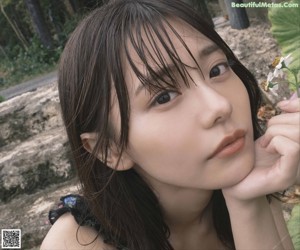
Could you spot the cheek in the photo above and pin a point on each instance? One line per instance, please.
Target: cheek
(245, 109)
(156, 140)
(241, 103)
(165, 147)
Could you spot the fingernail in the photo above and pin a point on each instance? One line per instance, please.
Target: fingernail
(283, 103)
(293, 96)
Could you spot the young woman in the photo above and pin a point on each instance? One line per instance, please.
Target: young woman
(161, 118)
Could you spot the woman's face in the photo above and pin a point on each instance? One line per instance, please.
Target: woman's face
(178, 137)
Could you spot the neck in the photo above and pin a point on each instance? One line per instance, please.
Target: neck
(188, 214)
(185, 207)
(182, 207)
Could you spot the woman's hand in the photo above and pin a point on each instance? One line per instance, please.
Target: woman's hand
(276, 167)
(277, 156)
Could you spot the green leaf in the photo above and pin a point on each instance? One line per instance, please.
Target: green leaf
(286, 30)
(294, 226)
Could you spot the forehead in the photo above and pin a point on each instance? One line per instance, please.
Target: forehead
(154, 48)
(174, 35)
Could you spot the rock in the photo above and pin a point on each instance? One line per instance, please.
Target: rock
(256, 48)
(34, 149)
(35, 163)
(29, 212)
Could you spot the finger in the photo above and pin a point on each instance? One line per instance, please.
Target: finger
(281, 175)
(286, 168)
(292, 105)
(286, 118)
(294, 96)
(291, 132)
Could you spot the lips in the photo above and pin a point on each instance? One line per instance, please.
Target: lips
(230, 145)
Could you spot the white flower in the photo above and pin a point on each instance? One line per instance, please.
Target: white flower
(270, 77)
(281, 63)
(272, 86)
(278, 73)
(284, 62)
(274, 89)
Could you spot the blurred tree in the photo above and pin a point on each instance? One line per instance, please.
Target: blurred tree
(38, 20)
(201, 7)
(13, 24)
(57, 15)
(91, 4)
(69, 7)
(223, 8)
(238, 17)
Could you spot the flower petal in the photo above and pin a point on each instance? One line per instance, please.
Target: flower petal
(279, 65)
(275, 87)
(276, 72)
(273, 91)
(288, 59)
(270, 77)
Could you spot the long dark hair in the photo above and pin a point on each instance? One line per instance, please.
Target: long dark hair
(91, 67)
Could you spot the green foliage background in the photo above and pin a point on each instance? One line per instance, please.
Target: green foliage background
(286, 30)
(20, 61)
(294, 226)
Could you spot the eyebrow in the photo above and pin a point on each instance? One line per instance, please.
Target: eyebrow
(205, 52)
(208, 50)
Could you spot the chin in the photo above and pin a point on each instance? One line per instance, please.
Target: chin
(240, 169)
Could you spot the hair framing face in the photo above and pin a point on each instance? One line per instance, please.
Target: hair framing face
(91, 68)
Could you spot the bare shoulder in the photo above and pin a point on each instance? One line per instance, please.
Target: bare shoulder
(277, 212)
(65, 234)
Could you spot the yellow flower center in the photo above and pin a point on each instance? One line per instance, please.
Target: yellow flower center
(265, 85)
(276, 61)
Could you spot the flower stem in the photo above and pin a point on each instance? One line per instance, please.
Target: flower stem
(296, 84)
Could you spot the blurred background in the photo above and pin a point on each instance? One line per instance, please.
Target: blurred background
(35, 163)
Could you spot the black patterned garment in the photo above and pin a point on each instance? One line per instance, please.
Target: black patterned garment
(77, 206)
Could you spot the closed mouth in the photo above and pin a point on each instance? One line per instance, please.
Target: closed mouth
(230, 144)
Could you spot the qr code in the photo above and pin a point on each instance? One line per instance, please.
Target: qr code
(11, 238)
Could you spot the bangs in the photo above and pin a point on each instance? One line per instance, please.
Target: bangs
(151, 42)
(140, 33)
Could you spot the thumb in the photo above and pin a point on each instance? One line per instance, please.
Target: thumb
(279, 175)
(292, 105)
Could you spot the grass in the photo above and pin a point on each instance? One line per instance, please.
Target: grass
(13, 81)
(21, 65)
(15, 76)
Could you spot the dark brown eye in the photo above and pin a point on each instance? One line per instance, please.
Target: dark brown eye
(164, 97)
(218, 70)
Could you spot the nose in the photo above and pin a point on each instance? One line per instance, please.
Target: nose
(217, 107)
